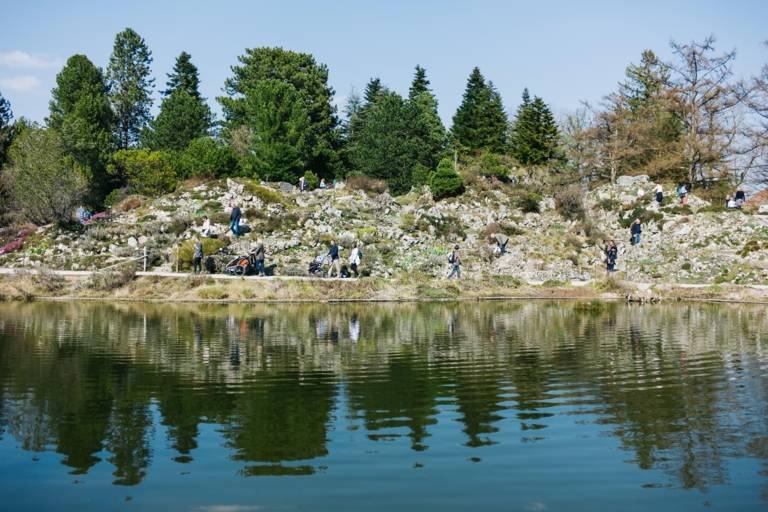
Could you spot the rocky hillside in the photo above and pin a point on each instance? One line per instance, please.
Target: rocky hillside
(412, 234)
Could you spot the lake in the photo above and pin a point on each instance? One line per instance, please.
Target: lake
(497, 406)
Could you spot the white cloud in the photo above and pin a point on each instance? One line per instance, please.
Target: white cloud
(20, 59)
(20, 83)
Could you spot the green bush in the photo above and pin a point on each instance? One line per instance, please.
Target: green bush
(527, 201)
(266, 194)
(682, 209)
(445, 182)
(43, 183)
(311, 180)
(206, 157)
(570, 203)
(145, 172)
(492, 167)
(420, 175)
(645, 216)
(609, 204)
(187, 250)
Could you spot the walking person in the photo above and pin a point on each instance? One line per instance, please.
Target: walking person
(333, 254)
(454, 258)
(659, 190)
(611, 254)
(635, 231)
(682, 193)
(197, 259)
(355, 257)
(302, 181)
(234, 220)
(259, 254)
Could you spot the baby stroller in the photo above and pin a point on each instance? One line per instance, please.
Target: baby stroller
(239, 266)
(316, 266)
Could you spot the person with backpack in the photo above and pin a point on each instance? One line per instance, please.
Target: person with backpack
(197, 259)
(234, 220)
(333, 254)
(355, 257)
(611, 254)
(635, 231)
(454, 258)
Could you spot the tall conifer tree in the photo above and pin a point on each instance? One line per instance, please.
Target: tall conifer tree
(130, 86)
(184, 114)
(480, 122)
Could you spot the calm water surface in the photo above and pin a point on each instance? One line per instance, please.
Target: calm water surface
(502, 406)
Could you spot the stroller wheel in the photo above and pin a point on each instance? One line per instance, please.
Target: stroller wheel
(239, 270)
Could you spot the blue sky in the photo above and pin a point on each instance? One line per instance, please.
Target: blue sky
(564, 51)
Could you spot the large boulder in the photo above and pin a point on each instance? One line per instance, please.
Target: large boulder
(631, 181)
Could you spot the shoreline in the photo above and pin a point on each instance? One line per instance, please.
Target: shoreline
(203, 289)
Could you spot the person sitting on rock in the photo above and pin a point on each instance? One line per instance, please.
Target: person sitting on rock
(635, 231)
(730, 203)
(206, 229)
(740, 197)
(501, 242)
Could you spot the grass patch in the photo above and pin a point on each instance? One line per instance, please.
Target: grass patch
(213, 293)
(265, 194)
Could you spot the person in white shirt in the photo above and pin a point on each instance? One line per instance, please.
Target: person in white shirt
(355, 257)
(206, 229)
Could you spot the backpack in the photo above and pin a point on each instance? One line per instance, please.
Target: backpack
(450, 257)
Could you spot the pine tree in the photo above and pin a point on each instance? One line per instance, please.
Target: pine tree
(419, 84)
(426, 130)
(373, 90)
(184, 77)
(130, 86)
(381, 146)
(496, 121)
(182, 119)
(184, 115)
(480, 121)
(308, 78)
(80, 112)
(535, 137)
(278, 115)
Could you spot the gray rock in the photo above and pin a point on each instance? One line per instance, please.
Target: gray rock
(630, 181)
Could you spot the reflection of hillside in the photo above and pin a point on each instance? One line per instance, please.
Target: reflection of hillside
(678, 386)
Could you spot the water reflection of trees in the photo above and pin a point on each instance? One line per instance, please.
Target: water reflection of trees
(669, 382)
